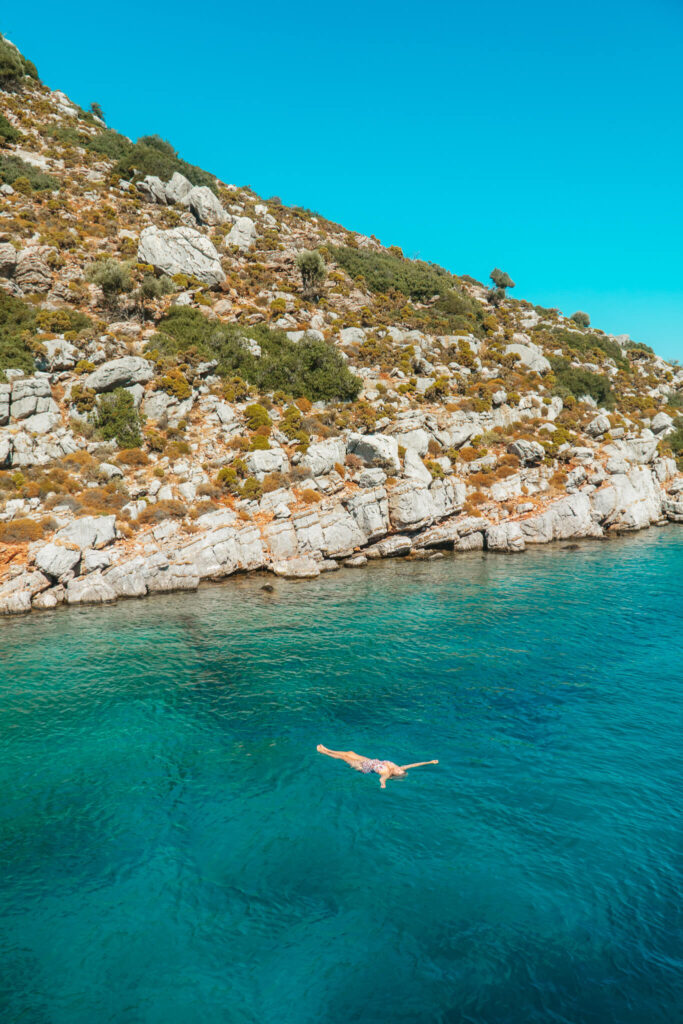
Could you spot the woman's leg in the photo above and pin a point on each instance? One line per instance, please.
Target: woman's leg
(342, 755)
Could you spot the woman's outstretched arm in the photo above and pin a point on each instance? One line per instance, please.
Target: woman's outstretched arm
(418, 764)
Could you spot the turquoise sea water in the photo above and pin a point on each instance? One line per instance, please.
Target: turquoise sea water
(173, 849)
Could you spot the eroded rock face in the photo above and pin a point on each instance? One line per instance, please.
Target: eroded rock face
(631, 501)
(204, 205)
(410, 506)
(530, 355)
(120, 373)
(181, 251)
(505, 537)
(16, 594)
(8, 259)
(375, 450)
(242, 234)
(55, 560)
(370, 509)
(177, 188)
(153, 190)
(528, 452)
(89, 531)
(32, 272)
(273, 460)
(31, 395)
(322, 456)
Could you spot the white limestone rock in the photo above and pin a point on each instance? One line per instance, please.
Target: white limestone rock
(242, 234)
(505, 537)
(181, 251)
(204, 205)
(89, 532)
(54, 559)
(119, 373)
(375, 450)
(322, 456)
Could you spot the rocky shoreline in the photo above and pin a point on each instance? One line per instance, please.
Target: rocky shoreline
(89, 561)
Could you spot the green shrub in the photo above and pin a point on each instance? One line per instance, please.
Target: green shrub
(110, 144)
(675, 438)
(578, 382)
(13, 167)
(17, 326)
(8, 133)
(12, 67)
(501, 279)
(175, 383)
(112, 277)
(251, 489)
(153, 155)
(116, 418)
(257, 416)
(310, 368)
(581, 319)
(59, 321)
(383, 272)
(584, 344)
(311, 266)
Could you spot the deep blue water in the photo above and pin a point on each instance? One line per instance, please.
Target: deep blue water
(173, 849)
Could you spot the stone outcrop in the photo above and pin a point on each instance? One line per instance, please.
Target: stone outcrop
(120, 373)
(242, 234)
(181, 251)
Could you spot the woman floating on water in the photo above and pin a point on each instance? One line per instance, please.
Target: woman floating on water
(385, 769)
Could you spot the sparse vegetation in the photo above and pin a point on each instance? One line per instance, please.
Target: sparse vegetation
(116, 419)
(311, 368)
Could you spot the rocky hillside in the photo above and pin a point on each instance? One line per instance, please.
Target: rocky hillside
(196, 381)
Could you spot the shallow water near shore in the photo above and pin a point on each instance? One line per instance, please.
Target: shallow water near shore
(173, 848)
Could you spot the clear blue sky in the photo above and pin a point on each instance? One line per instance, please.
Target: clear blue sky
(540, 136)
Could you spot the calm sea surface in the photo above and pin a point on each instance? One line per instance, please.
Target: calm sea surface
(173, 849)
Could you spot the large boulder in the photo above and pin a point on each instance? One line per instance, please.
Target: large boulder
(16, 594)
(242, 233)
(272, 460)
(569, 518)
(505, 537)
(309, 534)
(204, 205)
(5, 393)
(89, 531)
(177, 188)
(31, 395)
(415, 469)
(280, 538)
(370, 509)
(301, 568)
(322, 456)
(662, 424)
(57, 559)
(153, 190)
(630, 501)
(8, 259)
(341, 533)
(530, 355)
(410, 506)
(91, 589)
(375, 450)
(120, 373)
(181, 251)
(528, 452)
(32, 272)
(60, 354)
(417, 440)
(598, 426)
